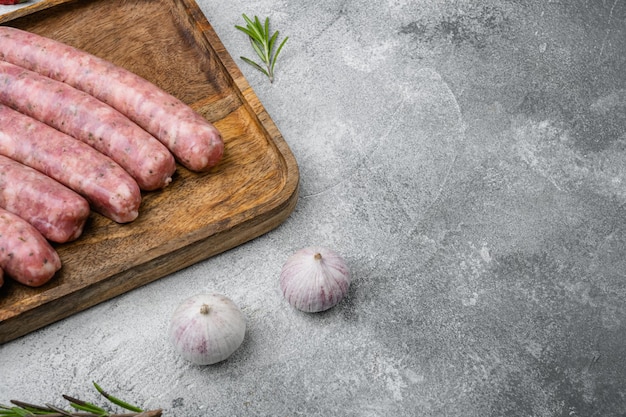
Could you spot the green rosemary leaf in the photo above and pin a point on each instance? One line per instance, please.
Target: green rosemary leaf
(85, 406)
(257, 49)
(254, 28)
(258, 25)
(17, 412)
(249, 22)
(117, 401)
(277, 52)
(272, 41)
(255, 65)
(246, 31)
(266, 28)
(88, 409)
(7, 411)
(247, 19)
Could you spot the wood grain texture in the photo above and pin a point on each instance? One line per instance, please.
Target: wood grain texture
(251, 191)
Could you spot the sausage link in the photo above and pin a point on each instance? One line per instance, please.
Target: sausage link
(1, 278)
(57, 212)
(109, 189)
(84, 117)
(195, 142)
(25, 255)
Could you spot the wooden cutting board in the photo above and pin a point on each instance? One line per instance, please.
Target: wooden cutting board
(252, 190)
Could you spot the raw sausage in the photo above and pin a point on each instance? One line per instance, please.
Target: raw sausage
(84, 117)
(110, 190)
(57, 212)
(195, 142)
(25, 255)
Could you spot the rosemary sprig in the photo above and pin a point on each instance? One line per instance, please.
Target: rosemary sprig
(263, 44)
(83, 408)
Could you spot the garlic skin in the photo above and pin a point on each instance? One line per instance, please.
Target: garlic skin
(314, 279)
(207, 328)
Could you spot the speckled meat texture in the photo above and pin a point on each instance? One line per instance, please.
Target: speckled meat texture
(110, 190)
(195, 142)
(25, 255)
(84, 117)
(57, 212)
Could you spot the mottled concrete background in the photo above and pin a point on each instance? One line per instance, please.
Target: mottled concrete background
(468, 159)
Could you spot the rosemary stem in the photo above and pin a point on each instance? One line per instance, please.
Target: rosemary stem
(150, 413)
(83, 408)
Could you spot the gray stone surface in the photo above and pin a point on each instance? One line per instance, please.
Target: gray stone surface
(468, 160)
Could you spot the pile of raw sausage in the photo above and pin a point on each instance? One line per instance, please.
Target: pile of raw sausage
(78, 133)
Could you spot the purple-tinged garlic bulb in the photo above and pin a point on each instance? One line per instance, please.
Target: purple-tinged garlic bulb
(314, 279)
(207, 328)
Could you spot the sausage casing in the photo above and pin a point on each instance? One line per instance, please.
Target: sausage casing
(108, 188)
(195, 142)
(25, 255)
(57, 212)
(88, 119)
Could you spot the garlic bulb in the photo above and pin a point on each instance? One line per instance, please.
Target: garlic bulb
(314, 279)
(207, 328)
